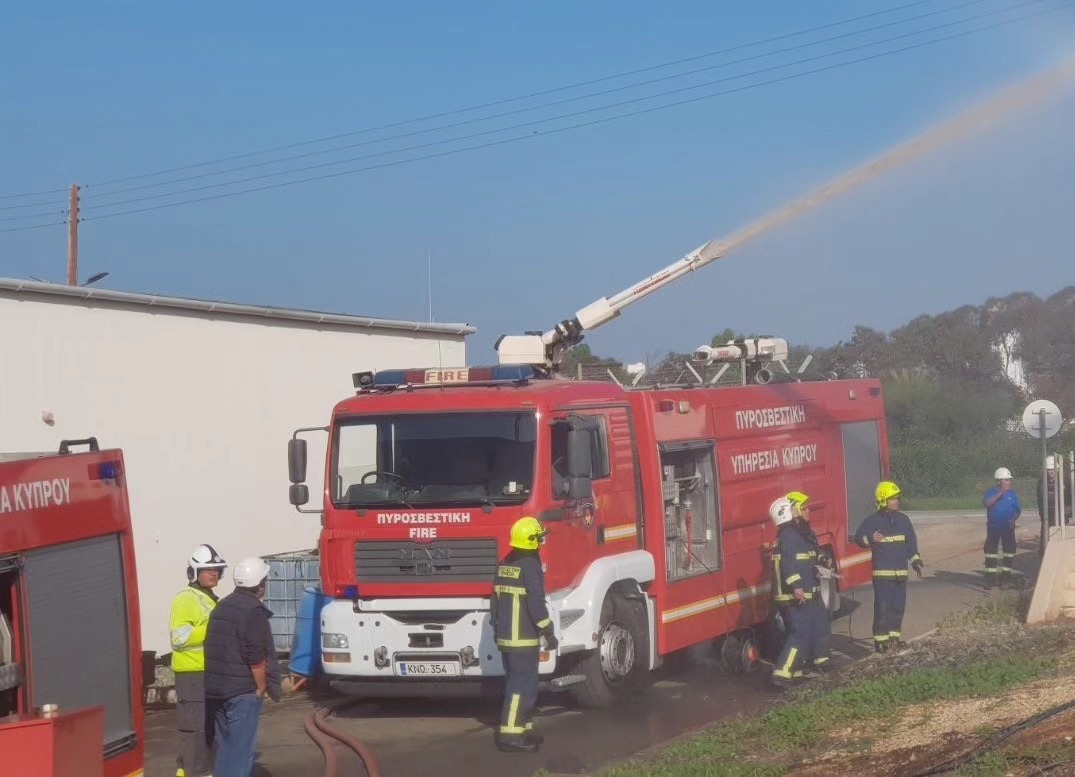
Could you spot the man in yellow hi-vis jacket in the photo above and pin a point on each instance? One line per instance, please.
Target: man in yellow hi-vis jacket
(187, 626)
(520, 619)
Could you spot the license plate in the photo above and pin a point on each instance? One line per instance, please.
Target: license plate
(427, 668)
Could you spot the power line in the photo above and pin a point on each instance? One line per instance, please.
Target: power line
(542, 106)
(494, 103)
(531, 95)
(35, 226)
(536, 122)
(42, 214)
(593, 122)
(31, 205)
(31, 194)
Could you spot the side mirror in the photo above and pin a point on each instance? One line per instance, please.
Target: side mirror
(296, 462)
(299, 494)
(579, 481)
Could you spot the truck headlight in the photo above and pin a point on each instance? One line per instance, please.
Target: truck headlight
(334, 641)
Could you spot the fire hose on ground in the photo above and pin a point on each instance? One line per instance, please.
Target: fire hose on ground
(998, 739)
(326, 737)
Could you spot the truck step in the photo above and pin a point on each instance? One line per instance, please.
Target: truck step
(566, 680)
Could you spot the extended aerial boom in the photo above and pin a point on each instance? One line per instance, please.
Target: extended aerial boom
(548, 349)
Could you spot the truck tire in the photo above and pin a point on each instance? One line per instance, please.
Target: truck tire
(739, 652)
(619, 667)
(771, 635)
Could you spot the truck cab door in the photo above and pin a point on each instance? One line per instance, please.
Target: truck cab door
(599, 514)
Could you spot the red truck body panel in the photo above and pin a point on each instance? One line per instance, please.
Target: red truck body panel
(50, 506)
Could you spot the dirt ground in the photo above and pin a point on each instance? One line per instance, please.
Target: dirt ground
(928, 736)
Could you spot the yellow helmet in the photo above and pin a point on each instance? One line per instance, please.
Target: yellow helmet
(886, 489)
(527, 534)
(797, 498)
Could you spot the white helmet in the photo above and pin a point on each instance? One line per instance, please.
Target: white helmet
(204, 557)
(1003, 474)
(249, 572)
(781, 510)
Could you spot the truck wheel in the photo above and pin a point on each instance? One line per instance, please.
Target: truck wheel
(620, 664)
(771, 635)
(739, 652)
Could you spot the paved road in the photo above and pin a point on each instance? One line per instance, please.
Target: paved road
(450, 737)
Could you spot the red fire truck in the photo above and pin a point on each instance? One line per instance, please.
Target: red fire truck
(70, 655)
(656, 501)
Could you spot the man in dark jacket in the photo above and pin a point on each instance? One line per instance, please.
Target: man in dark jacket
(520, 620)
(796, 593)
(822, 621)
(240, 668)
(891, 536)
(1049, 508)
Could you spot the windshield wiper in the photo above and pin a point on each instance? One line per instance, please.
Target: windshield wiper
(398, 502)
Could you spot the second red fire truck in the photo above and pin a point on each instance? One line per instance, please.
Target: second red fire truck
(71, 666)
(656, 501)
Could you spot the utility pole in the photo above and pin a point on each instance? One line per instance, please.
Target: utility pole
(1044, 483)
(72, 238)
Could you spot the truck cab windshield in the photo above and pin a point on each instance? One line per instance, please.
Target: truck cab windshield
(434, 459)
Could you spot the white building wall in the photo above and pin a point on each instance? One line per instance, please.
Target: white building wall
(202, 407)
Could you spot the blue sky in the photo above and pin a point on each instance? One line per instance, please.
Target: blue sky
(525, 233)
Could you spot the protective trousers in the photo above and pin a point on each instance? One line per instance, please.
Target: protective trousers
(807, 627)
(995, 538)
(520, 693)
(889, 604)
(194, 736)
(821, 630)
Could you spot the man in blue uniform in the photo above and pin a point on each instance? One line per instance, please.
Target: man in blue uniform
(891, 537)
(822, 621)
(520, 620)
(796, 592)
(1002, 511)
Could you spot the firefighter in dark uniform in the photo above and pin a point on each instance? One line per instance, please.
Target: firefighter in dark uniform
(891, 537)
(795, 591)
(822, 625)
(520, 621)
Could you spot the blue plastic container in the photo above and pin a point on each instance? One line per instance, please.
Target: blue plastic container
(306, 642)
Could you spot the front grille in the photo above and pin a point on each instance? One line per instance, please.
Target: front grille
(449, 561)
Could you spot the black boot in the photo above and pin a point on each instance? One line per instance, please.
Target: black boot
(880, 647)
(516, 745)
(780, 683)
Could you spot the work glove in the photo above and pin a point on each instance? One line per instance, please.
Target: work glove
(917, 566)
(551, 642)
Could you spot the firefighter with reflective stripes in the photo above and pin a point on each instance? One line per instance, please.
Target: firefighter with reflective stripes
(1002, 511)
(796, 592)
(891, 536)
(187, 626)
(800, 508)
(520, 620)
